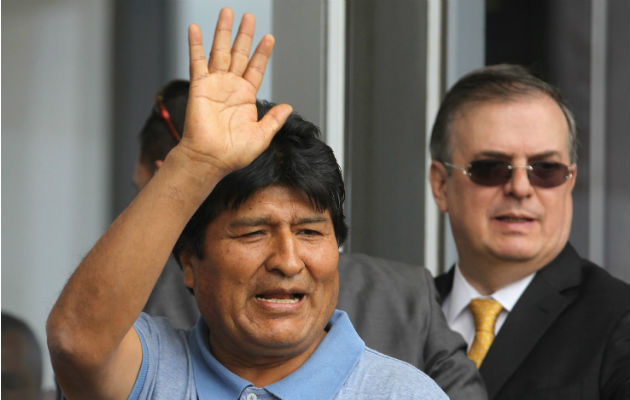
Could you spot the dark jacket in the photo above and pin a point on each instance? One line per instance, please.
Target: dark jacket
(567, 337)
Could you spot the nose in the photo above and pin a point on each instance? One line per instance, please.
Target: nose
(285, 257)
(519, 185)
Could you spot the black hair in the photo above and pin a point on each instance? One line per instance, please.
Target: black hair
(156, 139)
(493, 83)
(33, 351)
(297, 159)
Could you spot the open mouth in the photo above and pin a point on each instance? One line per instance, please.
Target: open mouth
(280, 297)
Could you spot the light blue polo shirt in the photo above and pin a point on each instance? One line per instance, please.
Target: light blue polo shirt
(179, 365)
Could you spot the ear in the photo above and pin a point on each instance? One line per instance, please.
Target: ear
(573, 176)
(438, 176)
(158, 164)
(189, 263)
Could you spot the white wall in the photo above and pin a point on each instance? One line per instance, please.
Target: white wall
(55, 116)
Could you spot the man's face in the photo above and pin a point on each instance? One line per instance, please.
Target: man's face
(268, 282)
(515, 222)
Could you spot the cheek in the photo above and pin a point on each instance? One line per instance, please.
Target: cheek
(233, 263)
(329, 278)
(219, 293)
(461, 200)
(324, 260)
(328, 292)
(558, 212)
(469, 210)
(327, 272)
(216, 282)
(331, 286)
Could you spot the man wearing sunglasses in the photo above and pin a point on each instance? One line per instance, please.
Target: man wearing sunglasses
(540, 321)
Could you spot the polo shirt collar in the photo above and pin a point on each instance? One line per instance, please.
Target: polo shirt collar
(212, 379)
(320, 377)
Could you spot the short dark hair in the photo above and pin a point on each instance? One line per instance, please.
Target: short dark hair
(156, 139)
(493, 83)
(33, 351)
(296, 158)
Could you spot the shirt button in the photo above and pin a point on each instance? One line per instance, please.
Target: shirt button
(252, 396)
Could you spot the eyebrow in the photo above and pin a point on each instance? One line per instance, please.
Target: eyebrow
(311, 220)
(249, 222)
(505, 156)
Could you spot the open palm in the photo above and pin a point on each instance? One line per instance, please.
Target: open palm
(221, 120)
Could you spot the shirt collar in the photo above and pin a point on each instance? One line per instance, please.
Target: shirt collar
(462, 292)
(212, 379)
(321, 376)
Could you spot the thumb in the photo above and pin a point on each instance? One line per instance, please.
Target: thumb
(271, 122)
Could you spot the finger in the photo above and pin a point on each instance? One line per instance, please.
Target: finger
(220, 53)
(274, 119)
(256, 68)
(243, 44)
(197, 57)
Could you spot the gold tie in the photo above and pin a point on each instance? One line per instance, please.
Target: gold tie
(485, 312)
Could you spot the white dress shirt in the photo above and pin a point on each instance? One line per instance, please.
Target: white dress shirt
(455, 305)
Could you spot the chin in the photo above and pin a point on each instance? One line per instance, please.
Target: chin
(285, 345)
(283, 335)
(516, 252)
(515, 257)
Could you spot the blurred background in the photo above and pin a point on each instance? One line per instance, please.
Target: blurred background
(79, 77)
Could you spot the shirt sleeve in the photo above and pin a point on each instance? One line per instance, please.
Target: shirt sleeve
(166, 368)
(143, 327)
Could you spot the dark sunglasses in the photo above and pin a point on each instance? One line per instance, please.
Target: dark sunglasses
(545, 174)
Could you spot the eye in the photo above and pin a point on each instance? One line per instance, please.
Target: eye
(310, 232)
(546, 165)
(253, 234)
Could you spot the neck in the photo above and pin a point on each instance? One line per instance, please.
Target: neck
(261, 368)
(489, 276)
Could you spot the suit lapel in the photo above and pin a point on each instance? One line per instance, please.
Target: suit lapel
(536, 310)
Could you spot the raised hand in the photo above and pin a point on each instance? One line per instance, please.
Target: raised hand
(221, 120)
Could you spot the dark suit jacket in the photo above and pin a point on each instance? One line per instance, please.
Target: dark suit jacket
(394, 308)
(567, 337)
